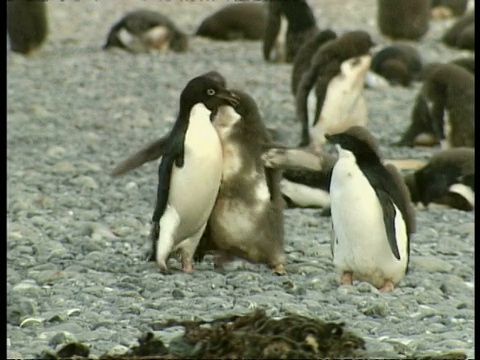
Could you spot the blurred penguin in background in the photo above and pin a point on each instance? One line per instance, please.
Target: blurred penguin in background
(300, 26)
(403, 19)
(27, 25)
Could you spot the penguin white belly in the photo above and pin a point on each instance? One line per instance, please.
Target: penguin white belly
(194, 187)
(361, 245)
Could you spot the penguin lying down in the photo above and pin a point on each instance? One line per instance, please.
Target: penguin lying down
(245, 219)
(307, 175)
(448, 179)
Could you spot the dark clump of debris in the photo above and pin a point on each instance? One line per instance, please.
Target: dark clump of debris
(252, 336)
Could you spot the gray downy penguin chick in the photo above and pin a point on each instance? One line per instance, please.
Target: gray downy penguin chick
(447, 179)
(399, 63)
(421, 131)
(372, 217)
(324, 65)
(144, 30)
(305, 54)
(247, 219)
(461, 34)
(189, 172)
(235, 21)
(300, 26)
(403, 19)
(449, 94)
(344, 104)
(27, 25)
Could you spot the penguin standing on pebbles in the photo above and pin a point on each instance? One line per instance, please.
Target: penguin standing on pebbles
(247, 219)
(372, 217)
(189, 173)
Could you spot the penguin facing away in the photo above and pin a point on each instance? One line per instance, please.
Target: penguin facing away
(144, 30)
(372, 217)
(447, 179)
(189, 172)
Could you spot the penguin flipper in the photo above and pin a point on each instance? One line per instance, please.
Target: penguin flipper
(150, 152)
(406, 206)
(389, 220)
(174, 156)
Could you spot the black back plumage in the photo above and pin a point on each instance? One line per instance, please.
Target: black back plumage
(385, 185)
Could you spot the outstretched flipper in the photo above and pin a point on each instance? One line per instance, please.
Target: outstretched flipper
(150, 152)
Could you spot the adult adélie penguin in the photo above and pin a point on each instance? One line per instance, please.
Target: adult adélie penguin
(372, 217)
(190, 171)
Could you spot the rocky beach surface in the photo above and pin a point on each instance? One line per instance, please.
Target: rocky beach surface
(76, 236)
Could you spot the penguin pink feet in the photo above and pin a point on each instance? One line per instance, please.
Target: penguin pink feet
(187, 265)
(346, 278)
(387, 286)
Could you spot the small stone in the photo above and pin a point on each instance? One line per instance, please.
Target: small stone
(61, 338)
(132, 185)
(47, 276)
(178, 294)
(55, 151)
(117, 350)
(63, 167)
(377, 309)
(85, 182)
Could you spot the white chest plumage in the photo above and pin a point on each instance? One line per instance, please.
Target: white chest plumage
(360, 242)
(344, 104)
(194, 187)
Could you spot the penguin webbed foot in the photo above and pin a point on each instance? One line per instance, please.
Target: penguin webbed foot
(187, 265)
(347, 278)
(387, 286)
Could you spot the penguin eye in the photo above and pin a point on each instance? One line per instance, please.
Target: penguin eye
(210, 92)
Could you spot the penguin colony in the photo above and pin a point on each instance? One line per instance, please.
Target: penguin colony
(236, 209)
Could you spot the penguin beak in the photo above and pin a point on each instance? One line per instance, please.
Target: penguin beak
(229, 97)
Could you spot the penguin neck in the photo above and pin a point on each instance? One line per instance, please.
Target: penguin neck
(188, 112)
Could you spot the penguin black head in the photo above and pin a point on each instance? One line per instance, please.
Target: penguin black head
(208, 89)
(358, 140)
